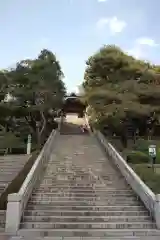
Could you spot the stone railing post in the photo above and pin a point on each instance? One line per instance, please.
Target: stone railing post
(13, 213)
(150, 200)
(29, 144)
(60, 123)
(17, 201)
(157, 210)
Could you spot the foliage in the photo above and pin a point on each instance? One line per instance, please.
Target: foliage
(137, 157)
(151, 178)
(37, 90)
(122, 93)
(142, 145)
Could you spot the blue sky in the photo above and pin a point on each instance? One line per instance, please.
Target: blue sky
(75, 29)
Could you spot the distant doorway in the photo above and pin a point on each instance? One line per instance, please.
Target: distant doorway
(73, 104)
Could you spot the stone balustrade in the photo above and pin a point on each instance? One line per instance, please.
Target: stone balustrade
(18, 201)
(150, 200)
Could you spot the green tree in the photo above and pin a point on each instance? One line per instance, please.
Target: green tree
(122, 92)
(37, 90)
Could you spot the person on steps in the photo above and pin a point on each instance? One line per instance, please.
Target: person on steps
(84, 128)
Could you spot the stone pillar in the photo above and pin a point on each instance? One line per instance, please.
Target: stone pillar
(157, 210)
(13, 213)
(29, 145)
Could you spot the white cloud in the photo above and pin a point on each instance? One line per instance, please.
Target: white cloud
(146, 41)
(140, 48)
(136, 52)
(102, 0)
(102, 22)
(115, 25)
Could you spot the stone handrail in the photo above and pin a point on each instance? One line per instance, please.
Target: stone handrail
(87, 123)
(18, 201)
(150, 200)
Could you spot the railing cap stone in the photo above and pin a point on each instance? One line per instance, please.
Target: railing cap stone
(14, 197)
(157, 197)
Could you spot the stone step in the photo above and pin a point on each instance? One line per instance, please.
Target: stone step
(70, 183)
(85, 208)
(7, 180)
(89, 225)
(88, 177)
(3, 183)
(7, 176)
(86, 219)
(81, 194)
(84, 198)
(74, 186)
(2, 218)
(6, 184)
(13, 156)
(84, 190)
(3, 174)
(74, 174)
(69, 160)
(63, 178)
(13, 160)
(68, 167)
(66, 156)
(67, 188)
(9, 171)
(73, 179)
(64, 181)
(84, 213)
(55, 170)
(11, 166)
(89, 233)
(3, 187)
(2, 212)
(12, 163)
(2, 225)
(60, 169)
(5, 167)
(68, 173)
(84, 202)
(56, 177)
(86, 238)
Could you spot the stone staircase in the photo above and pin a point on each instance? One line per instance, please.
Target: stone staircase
(10, 166)
(83, 196)
(2, 220)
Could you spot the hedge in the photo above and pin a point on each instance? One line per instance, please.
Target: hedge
(137, 157)
(17, 182)
(151, 178)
